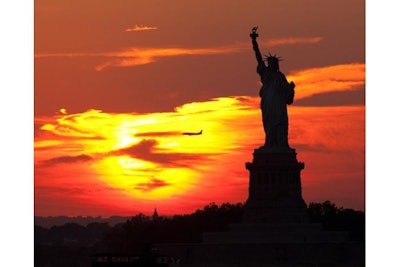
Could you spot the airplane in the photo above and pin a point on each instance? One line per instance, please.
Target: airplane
(198, 133)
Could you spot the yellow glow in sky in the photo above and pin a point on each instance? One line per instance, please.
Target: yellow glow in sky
(143, 158)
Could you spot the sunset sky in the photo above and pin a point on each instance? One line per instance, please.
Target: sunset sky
(116, 83)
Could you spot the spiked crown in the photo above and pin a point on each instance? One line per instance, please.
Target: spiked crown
(272, 60)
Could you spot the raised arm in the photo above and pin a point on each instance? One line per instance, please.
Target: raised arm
(254, 36)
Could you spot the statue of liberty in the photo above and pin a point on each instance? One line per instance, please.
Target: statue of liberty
(275, 94)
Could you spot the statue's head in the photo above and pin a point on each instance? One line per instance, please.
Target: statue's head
(273, 62)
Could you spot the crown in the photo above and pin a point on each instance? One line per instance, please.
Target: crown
(272, 57)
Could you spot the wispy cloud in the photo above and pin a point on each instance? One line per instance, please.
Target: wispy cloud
(139, 56)
(291, 41)
(137, 28)
(343, 77)
(147, 150)
(134, 56)
(67, 159)
(152, 184)
(158, 134)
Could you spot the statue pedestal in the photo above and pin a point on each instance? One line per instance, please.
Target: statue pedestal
(275, 189)
(275, 211)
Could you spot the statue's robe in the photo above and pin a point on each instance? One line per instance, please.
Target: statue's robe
(275, 94)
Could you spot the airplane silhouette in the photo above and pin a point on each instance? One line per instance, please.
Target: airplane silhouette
(198, 133)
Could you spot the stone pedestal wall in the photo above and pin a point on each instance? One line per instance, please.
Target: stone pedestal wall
(275, 189)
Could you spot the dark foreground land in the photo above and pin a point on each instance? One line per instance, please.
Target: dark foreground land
(77, 245)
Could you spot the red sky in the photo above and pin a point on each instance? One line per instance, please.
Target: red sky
(117, 82)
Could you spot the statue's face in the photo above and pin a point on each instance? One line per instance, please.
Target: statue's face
(273, 65)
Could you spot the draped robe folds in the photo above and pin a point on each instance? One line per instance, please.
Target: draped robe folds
(275, 94)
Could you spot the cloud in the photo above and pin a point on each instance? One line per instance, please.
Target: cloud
(147, 150)
(341, 98)
(144, 147)
(140, 28)
(158, 134)
(68, 54)
(75, 189)
(139, 56)
(336, 78)
(74, 125)
(134, 56)
(70, 132)
(67, 159)
(291, 41)
(152, 184)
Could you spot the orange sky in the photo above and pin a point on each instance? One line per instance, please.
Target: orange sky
(126, 163)
(117, 82)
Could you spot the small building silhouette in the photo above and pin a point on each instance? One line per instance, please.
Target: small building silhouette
(155, 215)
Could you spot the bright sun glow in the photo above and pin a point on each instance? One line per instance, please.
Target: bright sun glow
(147, 156)
(119, 160)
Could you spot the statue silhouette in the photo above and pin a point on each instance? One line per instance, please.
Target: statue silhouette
(275, 94)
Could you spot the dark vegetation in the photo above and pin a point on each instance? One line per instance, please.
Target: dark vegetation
(50, 221)
(72, 244)
(333, 218)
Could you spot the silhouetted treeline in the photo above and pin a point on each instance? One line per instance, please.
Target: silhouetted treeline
(140, 231)
(50, 221)
(72, 244)
(334, 218)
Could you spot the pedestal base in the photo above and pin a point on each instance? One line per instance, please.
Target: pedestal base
(275, 189)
